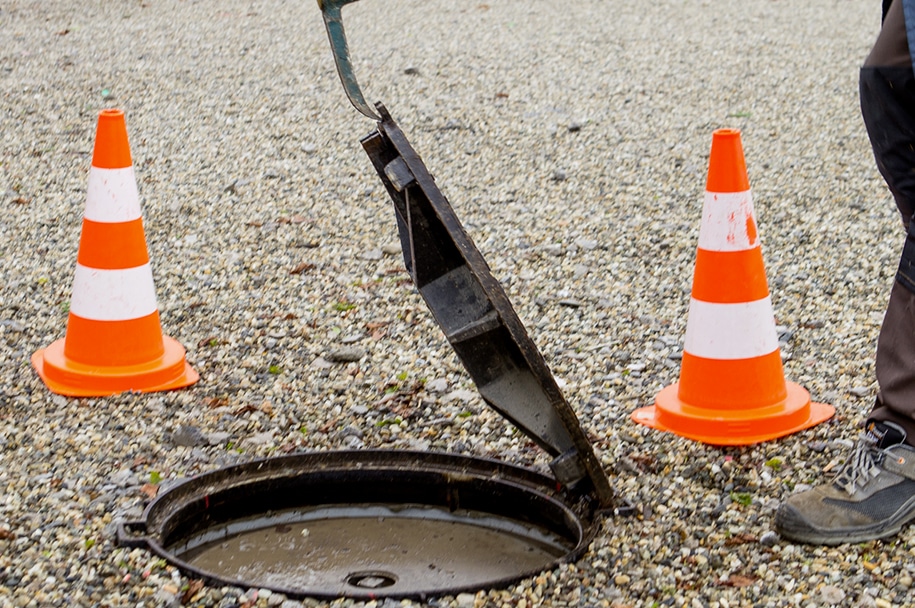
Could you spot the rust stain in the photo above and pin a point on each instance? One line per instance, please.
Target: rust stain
(751, 230)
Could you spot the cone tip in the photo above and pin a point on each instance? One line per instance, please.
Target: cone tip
(727, 171)
(112, 151)
(726, 133)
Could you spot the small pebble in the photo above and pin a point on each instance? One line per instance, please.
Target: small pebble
(188, 436)
(860, 391)
(465, 600)
(345, 355)
(768, 539)
(439, 385)
(832, 595)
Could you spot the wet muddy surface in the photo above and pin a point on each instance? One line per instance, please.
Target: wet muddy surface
(352, 548)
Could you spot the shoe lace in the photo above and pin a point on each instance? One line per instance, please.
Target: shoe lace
(861, 467)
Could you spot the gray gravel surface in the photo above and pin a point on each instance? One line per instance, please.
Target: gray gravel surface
(572, 139)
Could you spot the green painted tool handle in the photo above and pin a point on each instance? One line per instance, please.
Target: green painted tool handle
(333, 21)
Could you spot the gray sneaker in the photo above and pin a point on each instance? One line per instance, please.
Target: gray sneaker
(873, 496)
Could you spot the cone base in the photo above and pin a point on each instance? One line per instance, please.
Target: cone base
(67, 377)
(733, 427)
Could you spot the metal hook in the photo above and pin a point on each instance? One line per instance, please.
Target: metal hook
(333, 21)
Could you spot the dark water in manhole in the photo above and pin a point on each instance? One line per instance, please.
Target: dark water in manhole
(389, 548)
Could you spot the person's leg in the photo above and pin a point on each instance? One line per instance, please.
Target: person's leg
(872, 496)
(895, 363)
(888, 108)
(892, 46)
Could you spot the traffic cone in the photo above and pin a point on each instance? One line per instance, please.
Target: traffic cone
(114, 342)
(732, 389)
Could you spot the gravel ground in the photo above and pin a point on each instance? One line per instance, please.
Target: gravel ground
(572, 139)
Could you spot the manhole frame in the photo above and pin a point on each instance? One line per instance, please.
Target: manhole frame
(198, 503)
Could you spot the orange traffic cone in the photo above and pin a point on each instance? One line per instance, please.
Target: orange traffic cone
(114, 342)
(732, 389)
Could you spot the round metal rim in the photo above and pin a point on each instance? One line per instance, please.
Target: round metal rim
(191, 505)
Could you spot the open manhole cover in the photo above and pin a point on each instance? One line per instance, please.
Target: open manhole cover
(375, 524)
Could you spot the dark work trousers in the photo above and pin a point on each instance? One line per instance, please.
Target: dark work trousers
(887, 89)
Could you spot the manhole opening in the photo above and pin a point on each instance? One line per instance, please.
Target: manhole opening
(309, 525)
(426, 545)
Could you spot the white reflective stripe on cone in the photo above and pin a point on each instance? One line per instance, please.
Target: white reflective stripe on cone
(730, 331)
(112, 195)
(728, 222)
(113, 295)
